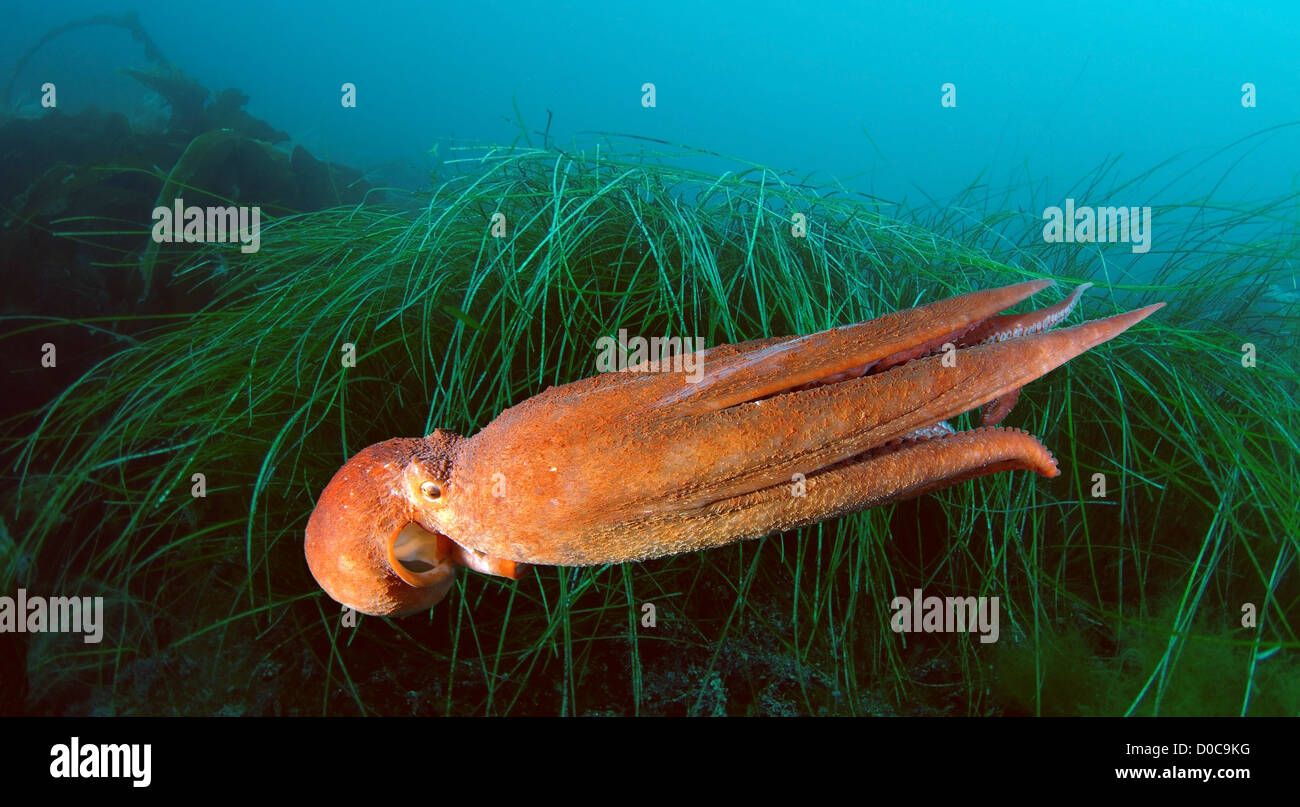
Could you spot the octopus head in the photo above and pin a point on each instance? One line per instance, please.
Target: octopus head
(374, 541)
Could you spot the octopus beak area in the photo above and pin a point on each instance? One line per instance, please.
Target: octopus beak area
(365, 546)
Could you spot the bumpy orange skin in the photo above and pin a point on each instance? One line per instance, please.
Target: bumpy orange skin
(362, 505)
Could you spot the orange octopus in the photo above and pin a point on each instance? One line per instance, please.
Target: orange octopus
(629, 465)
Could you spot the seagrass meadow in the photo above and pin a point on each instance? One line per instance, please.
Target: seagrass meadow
(1129, 602)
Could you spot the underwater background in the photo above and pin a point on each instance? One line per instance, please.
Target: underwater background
(648, 159)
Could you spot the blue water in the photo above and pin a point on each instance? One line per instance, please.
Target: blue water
(850, 91)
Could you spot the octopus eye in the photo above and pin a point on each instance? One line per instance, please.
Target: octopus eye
(431, 490)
